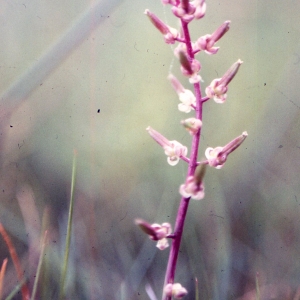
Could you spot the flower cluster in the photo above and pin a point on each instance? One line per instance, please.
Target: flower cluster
(189, 101)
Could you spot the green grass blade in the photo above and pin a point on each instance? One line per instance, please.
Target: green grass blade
(257, 296)
(38, 271)
(196, 289)
(69, 229)
(16, 290)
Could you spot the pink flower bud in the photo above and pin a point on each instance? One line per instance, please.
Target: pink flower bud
(170, 34)
(188, 10)
(146, 228)
(218, 87)
(218, 34)
(217, 91)
(177, 86)
(172, 2)
(192, 125)
(173, 149)
(185, 4)
(176, 290)
(217, 156)
(156, 232)
(185, 63)
(207, 42)
(181, 13)
(192, 189)
(214, 158)
(181, 47)
(231, 72)
(235, 143)
(202, 45)
(188, 68)
(200, 6)
(161, 231)
(159, 138)
(187, 97)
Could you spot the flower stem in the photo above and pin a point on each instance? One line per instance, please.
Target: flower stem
(184, 203)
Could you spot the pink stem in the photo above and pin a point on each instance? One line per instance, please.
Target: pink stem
(184, 203)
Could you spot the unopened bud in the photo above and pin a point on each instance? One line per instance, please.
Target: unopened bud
(177, 86)
(188, 68)
(200, 8)
(192, 125)
(176, 290)
(173, 149)
(146, 228)
(217, 156)
(170, 34)
(231, 72)
(235, 143)
(185, 4)
(158, 23)
(185, 63)
(199, 174)
(218, 34)
(158, 138)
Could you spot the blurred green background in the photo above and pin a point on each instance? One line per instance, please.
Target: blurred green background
(62, 61)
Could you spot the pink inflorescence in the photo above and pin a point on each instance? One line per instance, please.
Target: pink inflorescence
(190, 101)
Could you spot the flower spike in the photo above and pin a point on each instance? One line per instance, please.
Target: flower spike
(190, 101)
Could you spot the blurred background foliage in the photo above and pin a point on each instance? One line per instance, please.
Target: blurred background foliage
(61, 62)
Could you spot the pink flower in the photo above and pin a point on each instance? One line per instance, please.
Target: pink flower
(217, 156)
(200, 8)
(192, 188)
(192, 125)
(187, 10)
(181, 47)
(173, 149)
(218, 87)
(187, 97)
(188, 68)
(208, 41)
(162, 231)
(176, 290)
(172, 2)
(156, 232)
(170, 34)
